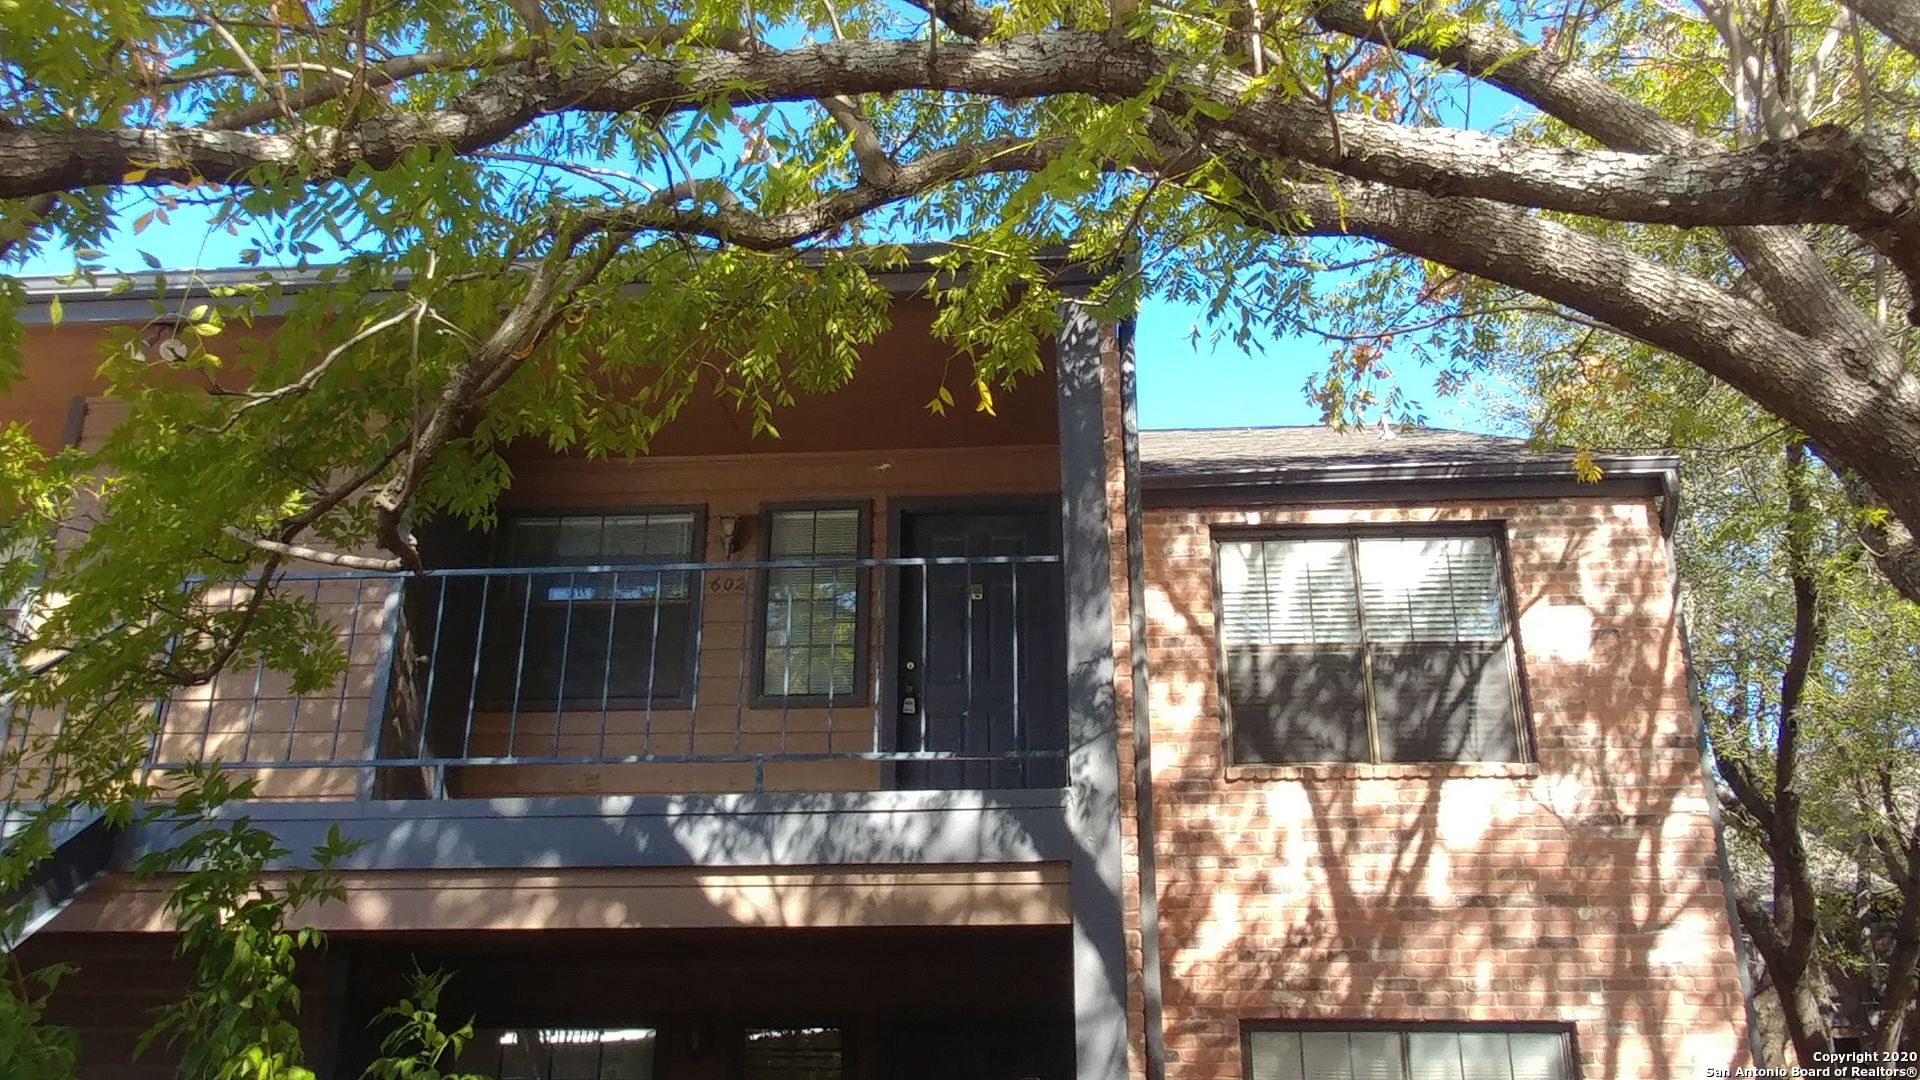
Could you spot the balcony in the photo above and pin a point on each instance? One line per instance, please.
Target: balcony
(662, 678)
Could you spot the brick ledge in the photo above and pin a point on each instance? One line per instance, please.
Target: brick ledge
(1446, 770)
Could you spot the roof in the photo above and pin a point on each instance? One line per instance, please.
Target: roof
(129, 296)
(1318, 455)
(1188, 451)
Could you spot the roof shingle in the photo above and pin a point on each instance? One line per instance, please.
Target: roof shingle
(1309, 448)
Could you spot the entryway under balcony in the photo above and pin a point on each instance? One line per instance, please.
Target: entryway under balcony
(851, 1004)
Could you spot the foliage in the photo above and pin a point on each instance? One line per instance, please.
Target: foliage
(555, 222)
(29, 1045)
(238, 1019)
(1855, 740)
(418, 1046)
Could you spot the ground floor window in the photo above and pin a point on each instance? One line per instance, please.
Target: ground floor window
(1417, 1053)
(811, 1053)
(562, 1053)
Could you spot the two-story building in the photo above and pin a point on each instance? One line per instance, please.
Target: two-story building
(837, 755)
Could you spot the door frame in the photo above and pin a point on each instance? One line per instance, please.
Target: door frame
(898, 510)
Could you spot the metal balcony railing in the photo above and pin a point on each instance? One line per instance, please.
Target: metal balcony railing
(801, 675)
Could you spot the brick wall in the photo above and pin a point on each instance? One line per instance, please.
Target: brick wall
(1580, 889)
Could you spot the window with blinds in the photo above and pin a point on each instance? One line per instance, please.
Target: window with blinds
(811, 637)
(1367, 648)
(561, 1053)
(592, 635)
(1465, 1053)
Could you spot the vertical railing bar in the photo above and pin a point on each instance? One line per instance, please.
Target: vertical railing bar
(473, 685)
(49, 775)
(926, 620)
(293, 721)
(696, 582)
(966, 712)
(378, 691)
(18, 766)
(160, 709)
(606, 668)
(353, 635)
(877, 580)
(833, 653)
(786, 667)
(206, 725)
(752, 621)
(433, 670)
(566, 645)
(1019, 728)
(22, 774)
(253, 709)
(519, 672)
(653, 660)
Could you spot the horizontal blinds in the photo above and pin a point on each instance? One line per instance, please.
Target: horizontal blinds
(1431, 588)
(800, 534)
(1424, 1054)
(588, 539)
(601, 538)
(1288, 592)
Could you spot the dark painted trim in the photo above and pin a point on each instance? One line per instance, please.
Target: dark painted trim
(379, 690)
(756, 619)
(876, 828)
(1375, 491)
(1547, 466)
(1093, 768)
(1151, 992)
(81, 852)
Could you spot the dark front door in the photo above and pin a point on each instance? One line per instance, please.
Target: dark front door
(980, 651)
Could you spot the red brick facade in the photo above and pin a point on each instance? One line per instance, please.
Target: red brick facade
(1581, 888)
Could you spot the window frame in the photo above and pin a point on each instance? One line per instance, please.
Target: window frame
(862, 609)
(696, 589)
(1569, 1042)
(736, 1065)
(1495, 530)
(659, 1039)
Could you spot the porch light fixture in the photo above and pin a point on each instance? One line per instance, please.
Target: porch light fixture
(730, 533)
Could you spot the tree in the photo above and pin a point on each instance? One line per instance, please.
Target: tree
(520, 189)
(1809, 674)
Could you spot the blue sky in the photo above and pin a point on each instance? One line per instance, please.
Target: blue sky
(1184, 385)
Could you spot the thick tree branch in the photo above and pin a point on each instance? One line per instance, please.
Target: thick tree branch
(1794, 278)
(1898, 19)
(1786, 849)
(965, 17)
(302, 553)
(771, 232)
(385, 73)
(1746, 790)
(1828, 178)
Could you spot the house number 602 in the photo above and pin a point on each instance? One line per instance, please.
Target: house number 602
(727, 583)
